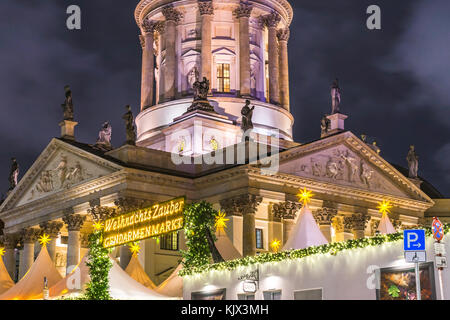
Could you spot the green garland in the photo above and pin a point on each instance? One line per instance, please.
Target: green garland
(331, 248)
(199, 218)
(99, 265)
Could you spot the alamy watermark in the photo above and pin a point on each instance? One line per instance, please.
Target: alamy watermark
(73, 21)
(374, 20)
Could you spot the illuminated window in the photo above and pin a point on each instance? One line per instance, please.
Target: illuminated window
(259, 239)
(223, 77)
(267, 81)
(169, 241)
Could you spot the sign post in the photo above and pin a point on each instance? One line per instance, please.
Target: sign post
(414, 247)
(439, 251)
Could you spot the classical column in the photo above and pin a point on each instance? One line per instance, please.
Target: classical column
(28, 238)
(148, 64)
(10, 243)
(287, 212)
(207, 13)
(74, 223)
(359, 222)
(51, 228)
(243, 14)
(343, 227)
(248, 205)
(272, 20)
(283, 37)
(125, 256)
(172, 16)
(324, 217)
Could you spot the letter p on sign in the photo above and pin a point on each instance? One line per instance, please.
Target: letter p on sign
(414, 240)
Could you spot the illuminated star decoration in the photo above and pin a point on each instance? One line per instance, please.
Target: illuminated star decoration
(2, 252)
(44, 240)
(221, 221)
(275, 245)
(135, 248)
(384, 207)
(98, 225)
(305, 196)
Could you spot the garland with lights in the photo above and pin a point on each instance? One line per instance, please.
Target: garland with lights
(99, 265)
(199, 228)
(331, 248)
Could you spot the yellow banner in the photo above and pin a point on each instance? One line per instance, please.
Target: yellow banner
(159, 219)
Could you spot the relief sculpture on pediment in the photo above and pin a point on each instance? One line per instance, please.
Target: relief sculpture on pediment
(342, 166)
(64, 175)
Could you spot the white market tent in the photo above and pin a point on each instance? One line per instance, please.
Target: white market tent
(386, 226)
(123, 287)
(6, 282)
(135, 271)
(31, 286)
(306, 232)
(173, 285)
(73, 283)
(226, 248)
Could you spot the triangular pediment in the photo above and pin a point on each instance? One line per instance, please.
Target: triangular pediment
(224, 51)
(59, 167)
(346, 161)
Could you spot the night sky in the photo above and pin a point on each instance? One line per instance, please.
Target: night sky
(395, 81)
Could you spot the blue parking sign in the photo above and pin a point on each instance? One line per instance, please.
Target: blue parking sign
(414, 240)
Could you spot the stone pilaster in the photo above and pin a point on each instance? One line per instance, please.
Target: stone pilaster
(287, 212)
(28, 238)
(52, 228)
(271, 21)
(10, 243)
(324, 217)
(172, 16)
(283, 38)
(359, 223)
(207, 13)
(243, 13)
(74, 223)
(148, 63)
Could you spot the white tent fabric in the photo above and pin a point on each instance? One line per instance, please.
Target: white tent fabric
(306, 232)
(31, 286)
(226, 248)
(73, 283)
(173, 285)
(135, 271)
(123, 287)
(6, 282)
(386, 226)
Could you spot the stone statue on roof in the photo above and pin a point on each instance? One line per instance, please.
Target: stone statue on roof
(336, 97)
(129, 125)
(68, 104)
(247, 115)
(104, 137)
(413, 162)
(14, 174)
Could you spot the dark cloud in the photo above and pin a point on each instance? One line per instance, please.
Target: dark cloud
(394, 81)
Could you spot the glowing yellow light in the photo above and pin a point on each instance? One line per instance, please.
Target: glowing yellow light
(221, 221)
(305, 196)
(44, 240)
(98, 225)
(2, 252)
(275, 245)
(135, 248)
(384, 207)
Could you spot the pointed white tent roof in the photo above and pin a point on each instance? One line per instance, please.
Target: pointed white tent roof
(135, 270)
(173, 285)
(226, 248)
(31, 286)
(123, 287)
(80, 273)
(6, 282)
(306, 232)
(386, 226)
